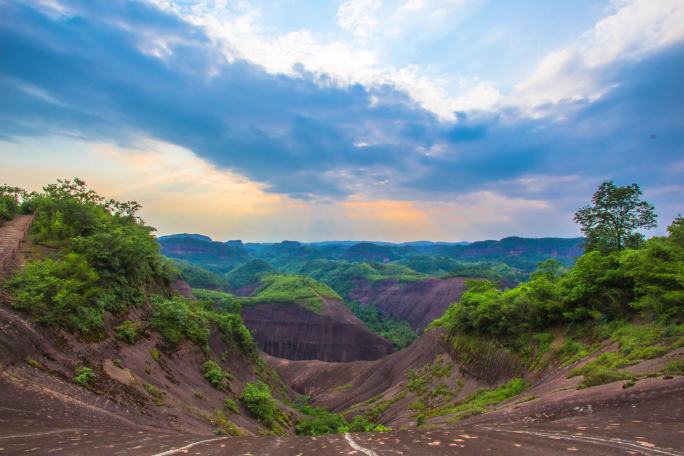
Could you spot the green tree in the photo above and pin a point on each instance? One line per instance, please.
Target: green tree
(611, 222)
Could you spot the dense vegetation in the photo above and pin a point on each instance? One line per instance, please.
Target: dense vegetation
(601, 286)
(631, 295)
(398, 332)
(247, 274)
(277, 289)
(197, 277)
(105, 258)
(9, 202)
(319, 421)
(98, 257)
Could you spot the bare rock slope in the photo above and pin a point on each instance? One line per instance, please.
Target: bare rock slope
(294, 332)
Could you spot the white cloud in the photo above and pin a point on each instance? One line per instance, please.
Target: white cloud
(634, 29)
(236, 30)
(358, 16)
(637, 28)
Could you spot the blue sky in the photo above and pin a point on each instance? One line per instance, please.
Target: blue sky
(356, 119)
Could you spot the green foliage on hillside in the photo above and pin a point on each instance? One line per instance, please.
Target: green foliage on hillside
(247, 274)
(107, 260)
(600, 287)
(221, 300)
(257, 399)
(9, 206)
(342, 275)
(178, 319)
(216, 375)
(494, 271)
(280, 289)
(129, 331)
(84, 376)
(319, 421)
(196, 276)
(478, 402)
(397, 332)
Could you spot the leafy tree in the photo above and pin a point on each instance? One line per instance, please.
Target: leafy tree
(612, 221)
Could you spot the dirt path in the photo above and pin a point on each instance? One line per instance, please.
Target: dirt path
(11, 235)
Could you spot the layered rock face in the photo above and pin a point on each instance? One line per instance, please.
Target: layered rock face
(418, 302)
(294, 332)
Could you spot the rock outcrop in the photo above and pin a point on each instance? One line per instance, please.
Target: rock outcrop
(295, 332)
(417, 303)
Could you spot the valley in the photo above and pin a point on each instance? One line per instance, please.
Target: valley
(116, 342)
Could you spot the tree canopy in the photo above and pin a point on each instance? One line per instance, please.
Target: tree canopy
(613, 219)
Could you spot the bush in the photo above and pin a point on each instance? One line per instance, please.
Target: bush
(84, 375)
(320, 422)
(257, 399)
(214, 374)
(129, 331)
(177, 318)
(8, 207)
(62, 293)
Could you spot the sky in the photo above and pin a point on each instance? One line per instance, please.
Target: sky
(312, 120)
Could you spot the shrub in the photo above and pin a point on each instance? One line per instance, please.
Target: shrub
(214, 374)
(129, 331)
(62, 293)
(84, 375)
(8, 206)
(177, 318)
(420, 420)
(320, 422)
(257, 399)
(361, 423)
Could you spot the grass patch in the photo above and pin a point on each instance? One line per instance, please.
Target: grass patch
(479, 401)
(155, 354)
(674, 368)
(636, 342)
(34, 363)
(129, 331)
(232, 406)
(341, 388)
(222, 425)
(155, 393)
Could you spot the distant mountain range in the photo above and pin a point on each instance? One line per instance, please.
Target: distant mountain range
(517, 252)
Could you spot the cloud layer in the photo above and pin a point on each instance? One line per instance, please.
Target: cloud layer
(607, 106)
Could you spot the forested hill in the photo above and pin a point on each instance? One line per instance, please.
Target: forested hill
(426, 257)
